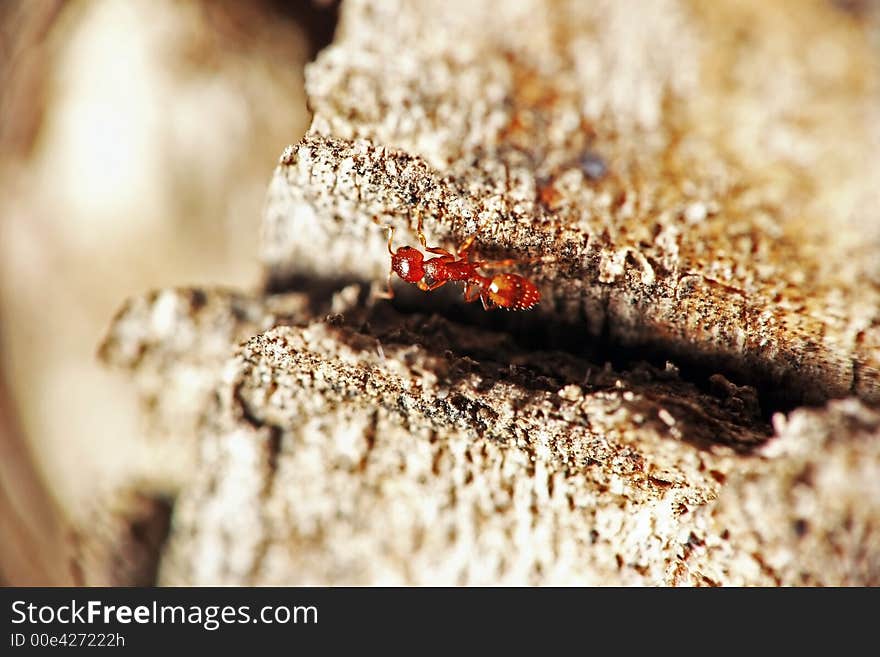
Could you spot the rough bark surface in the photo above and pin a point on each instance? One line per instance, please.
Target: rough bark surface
(702, 215)
(725, 212)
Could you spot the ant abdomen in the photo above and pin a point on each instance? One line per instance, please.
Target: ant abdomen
(513, 292)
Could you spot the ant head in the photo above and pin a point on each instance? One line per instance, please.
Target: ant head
(407, 263)
(513, 292)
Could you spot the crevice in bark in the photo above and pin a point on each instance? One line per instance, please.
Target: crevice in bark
(531, 332)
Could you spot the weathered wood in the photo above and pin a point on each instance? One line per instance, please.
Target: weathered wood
(704, 215)
(348, 455)
(408, 449)
(736, 223)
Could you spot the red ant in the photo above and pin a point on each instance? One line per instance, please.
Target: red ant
(509, 291)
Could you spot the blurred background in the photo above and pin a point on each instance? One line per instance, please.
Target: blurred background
(137, 140)
(136, 143)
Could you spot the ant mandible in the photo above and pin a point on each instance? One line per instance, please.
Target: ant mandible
(508, 291)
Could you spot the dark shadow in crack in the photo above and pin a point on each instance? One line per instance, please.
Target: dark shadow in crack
(534, 332)
(716, 412)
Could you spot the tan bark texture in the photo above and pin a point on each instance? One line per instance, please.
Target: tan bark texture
(693, 188)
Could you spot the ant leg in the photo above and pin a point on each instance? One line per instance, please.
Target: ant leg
(466, 246)
(424, 287)
(440, 252)
(389, 293)
(424, 241)
(487, 303)
(469, 290)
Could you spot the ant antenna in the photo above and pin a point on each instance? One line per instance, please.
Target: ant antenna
(390, 237)
(420, 232)
(390, 230)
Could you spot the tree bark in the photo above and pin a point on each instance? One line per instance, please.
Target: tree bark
(692, 402)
